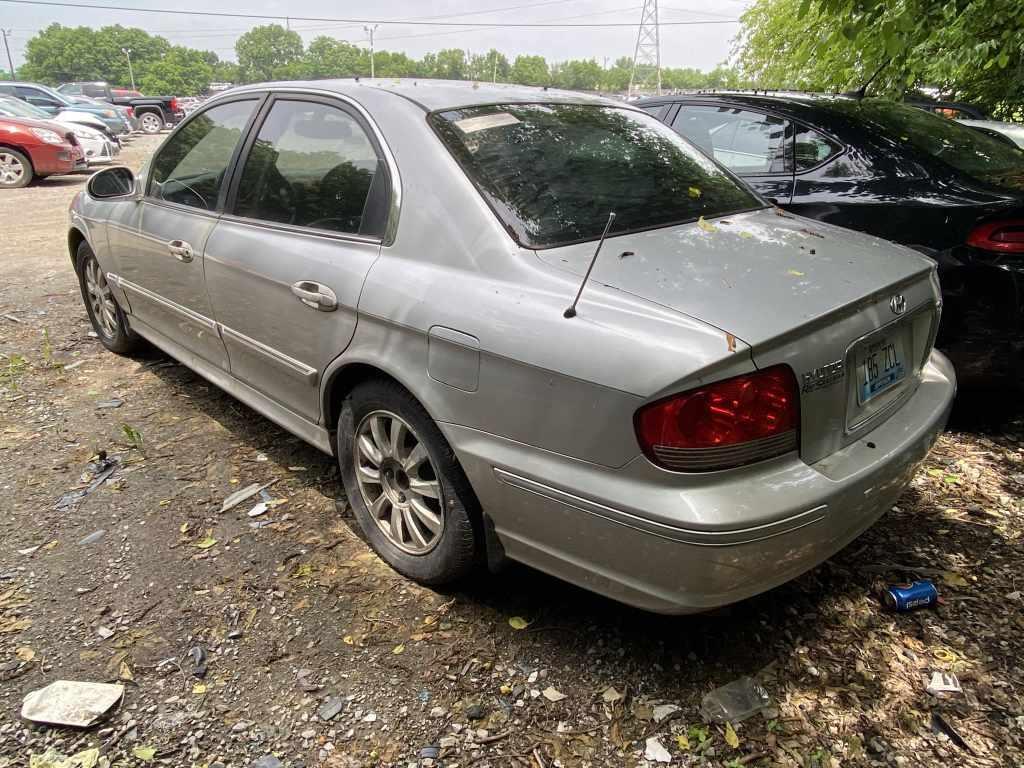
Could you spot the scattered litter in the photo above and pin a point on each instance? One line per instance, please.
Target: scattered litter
(100, 469)
(29, 550)
(430, 753)
(267, 761)
(656, 751)
(371, 717)
(105, 632)
(114, 402)
(943, 682)
(198, 655)
(663, 711)
(331, 708)
(258, 510)
(238, 497)
(553, 695)
(92, 538)
(735, 701)
(70, 702)
(610, 695)
(25, 653)
(907, 597)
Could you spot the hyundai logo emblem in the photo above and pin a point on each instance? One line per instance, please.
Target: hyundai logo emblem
(898, 304)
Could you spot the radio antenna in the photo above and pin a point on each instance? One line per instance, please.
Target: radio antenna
(571, 311)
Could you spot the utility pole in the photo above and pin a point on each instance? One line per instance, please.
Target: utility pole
(647, 55)
(494, 74)
(7, 47)
(370, 31)
(128, 52)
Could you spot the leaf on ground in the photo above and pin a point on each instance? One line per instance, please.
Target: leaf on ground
(398, 649)
(205, 543)
(794, 272)
(952, 579)
(125, 672)
(518, 622)
(730, 736)
(184, 527)
(25, 653)
(611, 695)
(551, 694)
(303, 571)
(694, 192)
(146, 754)
(87, 758)
(199, 688)
(682, 742)
(348, 640)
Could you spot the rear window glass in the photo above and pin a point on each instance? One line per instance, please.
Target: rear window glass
(553, 172)
(969, 151)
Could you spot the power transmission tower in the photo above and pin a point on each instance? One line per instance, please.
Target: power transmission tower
(7, 47)
(647, 56)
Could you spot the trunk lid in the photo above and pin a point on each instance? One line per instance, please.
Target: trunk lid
(798, 292)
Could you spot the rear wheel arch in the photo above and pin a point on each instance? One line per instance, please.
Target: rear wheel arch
(75, 238)
(346, 378)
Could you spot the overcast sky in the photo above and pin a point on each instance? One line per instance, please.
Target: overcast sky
(701, 46)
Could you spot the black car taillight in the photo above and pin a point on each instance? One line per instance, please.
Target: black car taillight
(726, 424)
(1005, 236)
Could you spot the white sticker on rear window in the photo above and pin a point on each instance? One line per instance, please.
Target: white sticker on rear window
(483, 122)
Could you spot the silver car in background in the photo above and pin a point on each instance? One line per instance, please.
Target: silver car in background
(530, 325)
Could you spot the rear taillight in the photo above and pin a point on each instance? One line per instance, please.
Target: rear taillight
(726, 424)
(131, 111)
(174, 104)
(1005, 236)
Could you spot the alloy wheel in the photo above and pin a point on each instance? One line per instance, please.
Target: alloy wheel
(398, 482)
(12, 170)
(101, 300)
(151, 123)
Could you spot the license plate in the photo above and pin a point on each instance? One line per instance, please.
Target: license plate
(880, 366)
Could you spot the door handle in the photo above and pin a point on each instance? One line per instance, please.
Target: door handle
(181, 250)
(315, 295)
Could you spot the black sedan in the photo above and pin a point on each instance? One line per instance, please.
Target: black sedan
(896, 172)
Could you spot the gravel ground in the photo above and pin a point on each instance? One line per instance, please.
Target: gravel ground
(317, 654)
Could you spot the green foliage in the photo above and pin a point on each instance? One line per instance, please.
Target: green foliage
(530, 70)
(969, 49)
(270, 52)
(327, 57)
(180, 70)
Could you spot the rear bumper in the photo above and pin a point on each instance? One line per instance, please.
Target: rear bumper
(676, 543)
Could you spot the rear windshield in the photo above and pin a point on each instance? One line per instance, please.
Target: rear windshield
(553, 172)
(965, 149)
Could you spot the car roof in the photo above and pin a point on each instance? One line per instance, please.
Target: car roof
(433, 95)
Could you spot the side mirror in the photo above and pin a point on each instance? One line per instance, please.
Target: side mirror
(110, 183)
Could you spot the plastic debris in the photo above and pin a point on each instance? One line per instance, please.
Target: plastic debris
(943, 682)
(105, 632)
(655, 750)
(30, 550)
(610, 695)
(238, 497)
(92, 538)
(735, 701)
(100, 470)
(70, 702)
(267, 761)
(553, 695)
(664, 711)
(331, 708)
(114, 402)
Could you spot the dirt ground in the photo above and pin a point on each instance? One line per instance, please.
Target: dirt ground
(297, 619)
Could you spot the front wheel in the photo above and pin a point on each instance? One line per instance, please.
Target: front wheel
(15, 169)
(105, 315)
(407, 490)
(151, 122)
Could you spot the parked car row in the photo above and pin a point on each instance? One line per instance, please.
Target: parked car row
(99, 148)
(154, 113)
(548, 327)
(35, 149)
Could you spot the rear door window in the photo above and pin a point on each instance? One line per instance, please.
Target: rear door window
(190, 168)
(312, 165)
(745, 142)
(811, 148)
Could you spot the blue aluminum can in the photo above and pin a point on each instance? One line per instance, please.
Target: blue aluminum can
(907, 597)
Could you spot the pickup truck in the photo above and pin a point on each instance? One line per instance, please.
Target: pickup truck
(154, 113)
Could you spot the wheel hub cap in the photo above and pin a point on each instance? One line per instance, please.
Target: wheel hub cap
(398, 482)
(11, 169)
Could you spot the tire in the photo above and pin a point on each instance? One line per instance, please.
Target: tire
(104, 313)
(450, 553)
(15, 169)
(151, 122)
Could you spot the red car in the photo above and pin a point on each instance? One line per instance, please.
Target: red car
(32, 149)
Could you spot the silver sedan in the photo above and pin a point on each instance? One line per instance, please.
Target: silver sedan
(530, 325)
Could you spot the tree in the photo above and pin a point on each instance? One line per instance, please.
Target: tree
(970, 50)
(577, 75)
(59, 54)
(182, 70)
(446, 64)
(530, 70)
(327, 57)
(489, 66)
(269, 52)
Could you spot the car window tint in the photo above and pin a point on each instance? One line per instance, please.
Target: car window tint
(744, 142)
(553, 172)
(812, 148)
(657, 110)
(312, 165)
(71, 88)
(190, 168)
